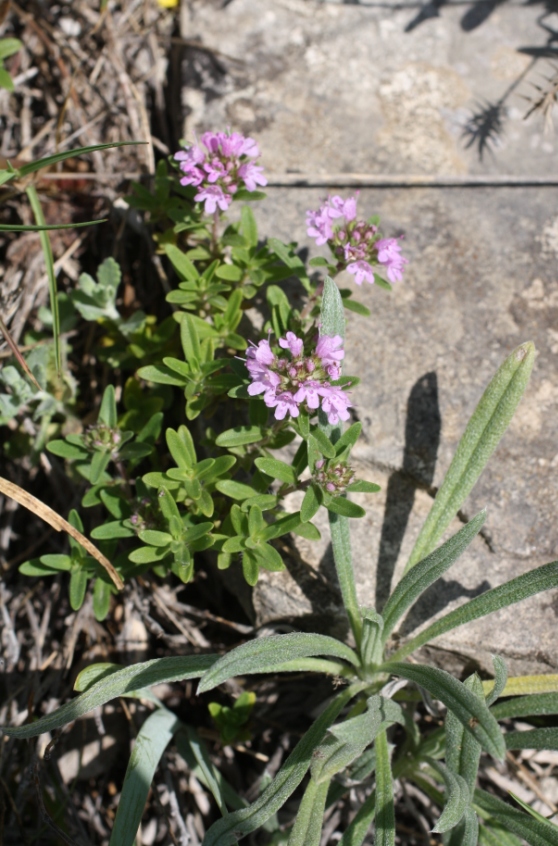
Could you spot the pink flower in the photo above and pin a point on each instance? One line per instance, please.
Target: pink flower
(213, 196)
(390, 256)
(335, 404)
(362, 271)
(220, 163)
(284, 404)
(328, 350)
(292, 343)
(309, 392)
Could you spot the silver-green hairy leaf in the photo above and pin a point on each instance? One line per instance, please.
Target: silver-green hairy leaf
(466, 833)
(427, 571)
(534, 831)
(472, 711)
(384, 806)
(525, 706)
(539, 738)
(535, 581)
(225, 832)
(463, 750)
(264, 654)
(483, 433)
(152, 740)
(307, 828)
(457, 797)
(116, 684)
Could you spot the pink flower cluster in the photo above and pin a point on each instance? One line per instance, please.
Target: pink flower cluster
(220, 164)
(355, 244)
(289, 381)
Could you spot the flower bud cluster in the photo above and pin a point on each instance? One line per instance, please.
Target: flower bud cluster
(101, 436)
(356, 244)
(294, 378)
(332, 477)
(220, 164)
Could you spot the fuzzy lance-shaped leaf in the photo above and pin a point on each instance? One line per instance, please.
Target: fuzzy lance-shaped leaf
(466, 833)
(78, 586)
(457, 797)
(495, 834)
(363, 487)
(540, 738)
(182, 263)
(320, 441)
(348, 740)
(226, 832)
(263, 654)
(332, 314)
(470, 710)
(359, 827)
(483, 433)
(534, 831)
(535, 581)
(525, 685)
(525, 706)
(344, 507)
(151, 742)
(427, 571)
(384, 807)
(463, 751)
(127, 680)
(311, 503)
(530, 811)
(500, 679)
(307, 828)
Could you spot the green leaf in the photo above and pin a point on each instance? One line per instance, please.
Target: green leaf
(311, 503)
(152, 740)
(99, 463)
(264, 653)
(15, 227)
(101, 599)
(349, 438)
(35, 203)
(483, 433)
(323, 443)
(308, 531)
(239, 436)
(385, 812)
(500, 679)
(66, 450)
(540, 738)
(249, 226)
(120, 683)
(457, 797)
(277, 470)
(469, 709)
(190, 340)
(307, 828)
(155, 538)
(78, 586)
(523, 706)
(534, 831)
(426, 572)
(528, 584)
(356, 307)
(107, 411)
(46, 565)
(47, 161)
(236, 490)
(226, 831)
(466, 832)
(332, 314)
(344, 507)
(9, 46)
(463, 751)
(160, 375)
(358, 828)
(181, 263)
(229, 272)
(362, 487)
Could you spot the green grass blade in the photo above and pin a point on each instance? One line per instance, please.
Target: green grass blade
(226, 831)
(307, 828)
(385, 811)
(534, 831)
(264, 654)
(472, 711)
(535, 581)
(8, 227)
(426, 572)
(35, 203)
(32, 167)
(484, 430)
(151, 742)
(540, 738)
(211, 777)
(228, 795)
(118, 683)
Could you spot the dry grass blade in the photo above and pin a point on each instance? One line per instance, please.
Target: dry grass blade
(59, 524)
(14, 348)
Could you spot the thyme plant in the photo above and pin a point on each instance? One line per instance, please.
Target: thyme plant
(215, 482)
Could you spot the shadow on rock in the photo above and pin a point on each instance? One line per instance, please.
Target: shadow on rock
(422, 438)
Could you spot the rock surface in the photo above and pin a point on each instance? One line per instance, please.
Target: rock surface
(329, 88)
